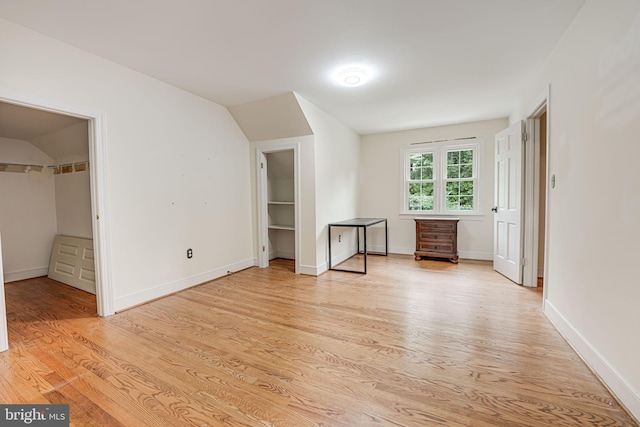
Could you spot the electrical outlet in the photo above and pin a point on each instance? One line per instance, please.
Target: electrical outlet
(189, 253)
(339, 238)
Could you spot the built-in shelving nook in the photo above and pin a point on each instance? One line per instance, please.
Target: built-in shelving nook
(279, 195)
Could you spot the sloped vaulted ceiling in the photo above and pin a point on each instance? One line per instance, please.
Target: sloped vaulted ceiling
(272, 118)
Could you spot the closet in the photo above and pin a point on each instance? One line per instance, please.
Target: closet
(281, 204)
(45, 191)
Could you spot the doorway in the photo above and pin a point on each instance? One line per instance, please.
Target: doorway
(278, 204)
(97, 176)
(536, 186)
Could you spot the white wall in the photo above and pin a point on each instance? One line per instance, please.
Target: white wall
(73, 204)
(337, 167)
(72, 190)
(171, 157)
(381, 185)
(591, 287)
(27, 212)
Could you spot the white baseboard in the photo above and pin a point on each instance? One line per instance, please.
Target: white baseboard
(337, 258)
(14, 276)
(400, 250)
(482, 256)
(142, 297)
(282, 254)
(313, 271)
(618, 386)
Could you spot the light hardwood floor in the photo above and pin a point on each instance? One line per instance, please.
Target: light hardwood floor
(411, 343)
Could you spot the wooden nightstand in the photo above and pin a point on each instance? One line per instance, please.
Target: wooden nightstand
(437, 238)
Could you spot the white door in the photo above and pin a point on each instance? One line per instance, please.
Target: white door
(263, 214)
(4, 335)
(507, 224)
(72, 263)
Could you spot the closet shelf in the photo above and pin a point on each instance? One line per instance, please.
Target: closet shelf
(281, 227)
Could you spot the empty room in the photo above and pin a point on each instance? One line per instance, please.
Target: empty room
(319, 213)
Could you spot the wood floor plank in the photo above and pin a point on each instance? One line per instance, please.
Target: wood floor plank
(411, 343)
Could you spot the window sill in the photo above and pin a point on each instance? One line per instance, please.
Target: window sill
(464, 216)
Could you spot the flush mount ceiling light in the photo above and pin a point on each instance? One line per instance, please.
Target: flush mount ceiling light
(352, 77)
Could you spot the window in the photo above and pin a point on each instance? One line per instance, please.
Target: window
(459, 180)
(441, 178)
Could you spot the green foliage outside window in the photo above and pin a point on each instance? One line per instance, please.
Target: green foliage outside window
(421, 196)
(421, 167)
(459, 186)
(421, 193)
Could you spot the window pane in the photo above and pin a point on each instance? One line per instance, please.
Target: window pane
(421, 166)
(415, 161)
(453, 188)
(421, 196)
(453, 171)
(427, 173)
(466, 157)
(466, 203)
(427, 196)
(415, 174)
(453, 203)
(466, 188)
(453, 157)
(466, 171)
(414, 197)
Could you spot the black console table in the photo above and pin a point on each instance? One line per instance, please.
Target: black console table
(364, 224)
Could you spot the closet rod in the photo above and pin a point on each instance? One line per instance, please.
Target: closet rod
(19, 167)
(68, 164)
(20, 164)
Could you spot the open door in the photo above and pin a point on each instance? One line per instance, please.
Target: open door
(263, 222)
(4, 335)
(507, 224)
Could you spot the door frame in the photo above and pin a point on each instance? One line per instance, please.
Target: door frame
(98, 185)
(262, 208)
(532, 191)
(4, 336)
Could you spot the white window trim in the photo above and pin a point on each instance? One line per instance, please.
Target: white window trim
(439, 148)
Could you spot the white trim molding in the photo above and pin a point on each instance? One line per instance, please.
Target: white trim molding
(629, 398)
(14, 276)
(98, 182)
(4, 334)
(137, 298)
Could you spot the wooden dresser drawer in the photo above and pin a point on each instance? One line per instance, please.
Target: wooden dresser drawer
(434, 226)
(437, 238)
(444, 247)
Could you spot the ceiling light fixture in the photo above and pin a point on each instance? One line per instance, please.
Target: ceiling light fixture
(352, 77)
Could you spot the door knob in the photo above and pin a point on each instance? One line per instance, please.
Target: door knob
(495, 209)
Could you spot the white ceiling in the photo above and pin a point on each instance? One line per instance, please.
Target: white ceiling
(432, 62)
(24, 123)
